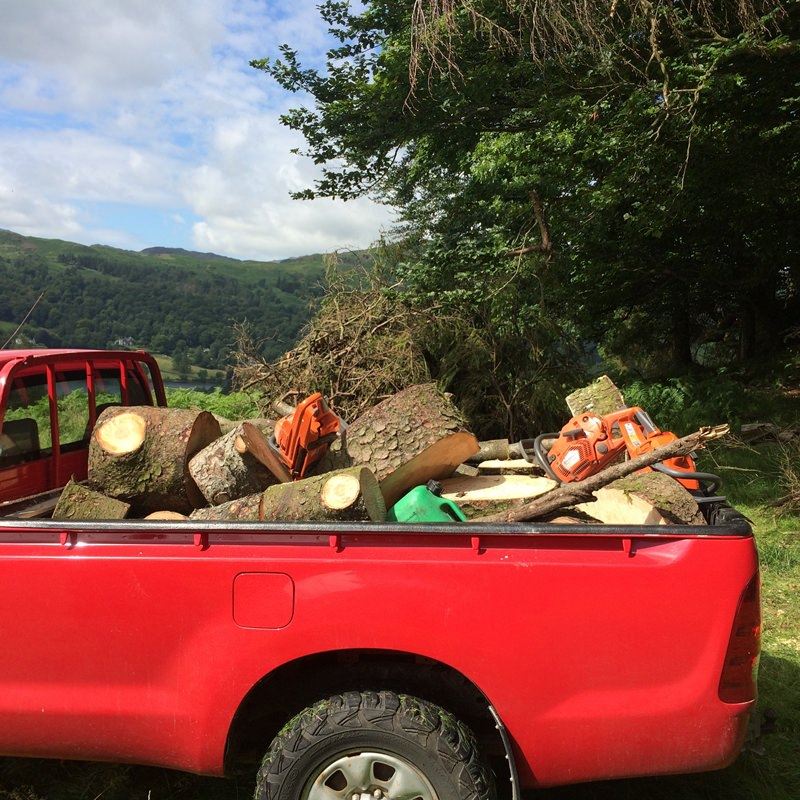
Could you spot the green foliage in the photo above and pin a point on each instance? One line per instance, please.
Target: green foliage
(234, 406)
(635, 185)
(168, 302)
(685, 403)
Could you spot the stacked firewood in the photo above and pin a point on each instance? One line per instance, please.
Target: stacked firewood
(161, 463)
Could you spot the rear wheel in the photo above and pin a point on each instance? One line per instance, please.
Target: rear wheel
(374, 746)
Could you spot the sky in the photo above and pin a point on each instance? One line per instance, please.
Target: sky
(137, 123)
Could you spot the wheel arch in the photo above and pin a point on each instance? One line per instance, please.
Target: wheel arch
(281, 694)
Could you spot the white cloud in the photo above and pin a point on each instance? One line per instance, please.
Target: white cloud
(152, 104)
(243, 191)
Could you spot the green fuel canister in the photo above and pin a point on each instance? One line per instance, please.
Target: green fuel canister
(425, 504)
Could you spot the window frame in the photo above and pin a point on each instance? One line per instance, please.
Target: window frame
(91, 361)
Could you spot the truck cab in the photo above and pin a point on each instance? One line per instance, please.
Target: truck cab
(49, 403)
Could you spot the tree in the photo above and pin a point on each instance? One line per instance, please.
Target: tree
(628, 177)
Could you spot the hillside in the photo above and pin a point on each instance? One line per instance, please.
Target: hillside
(167, 300)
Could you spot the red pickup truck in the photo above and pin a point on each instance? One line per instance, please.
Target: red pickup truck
(405, 662)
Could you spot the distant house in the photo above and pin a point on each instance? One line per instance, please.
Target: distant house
(123, 341)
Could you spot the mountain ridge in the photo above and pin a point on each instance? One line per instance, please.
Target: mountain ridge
(171, 301)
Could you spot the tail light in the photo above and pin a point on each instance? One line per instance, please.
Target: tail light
(738, 681)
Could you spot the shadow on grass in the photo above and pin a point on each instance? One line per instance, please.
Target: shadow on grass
(769, 772)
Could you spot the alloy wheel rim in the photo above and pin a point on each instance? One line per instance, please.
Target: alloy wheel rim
(369, 775)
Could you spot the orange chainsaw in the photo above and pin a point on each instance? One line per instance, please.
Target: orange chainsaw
(303, 437)
(588, 443)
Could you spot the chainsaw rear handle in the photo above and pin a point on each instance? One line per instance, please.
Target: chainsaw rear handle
(541, 456)
(708, 480)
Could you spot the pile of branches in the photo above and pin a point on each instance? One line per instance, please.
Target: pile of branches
(361, 346)
(789, 477)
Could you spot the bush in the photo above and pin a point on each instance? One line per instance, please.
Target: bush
(237, 405)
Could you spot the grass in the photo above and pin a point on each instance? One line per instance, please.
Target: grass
(169, 373)
(768, 770)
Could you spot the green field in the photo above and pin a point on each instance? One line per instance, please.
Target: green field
(169, 373)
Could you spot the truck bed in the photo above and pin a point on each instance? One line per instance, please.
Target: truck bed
(599, 647)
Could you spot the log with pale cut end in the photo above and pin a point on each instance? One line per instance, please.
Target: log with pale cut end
(348, 494)
(223, 473)
(166, 515)
(141, 454)
(80, 502)
(391, 433)
(511, 466)
(436, 462)
(649, 498)
(493, 493)
(243, 508)
(600, 397)
(466, 471)
(252, 440)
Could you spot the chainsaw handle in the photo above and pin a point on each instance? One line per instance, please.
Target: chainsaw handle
(708, 480)
(541, 456)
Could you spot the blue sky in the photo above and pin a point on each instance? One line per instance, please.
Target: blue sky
(137, 123)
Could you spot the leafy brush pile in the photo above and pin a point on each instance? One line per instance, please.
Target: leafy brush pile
(372, 337)
(789, 478)
(362, 346)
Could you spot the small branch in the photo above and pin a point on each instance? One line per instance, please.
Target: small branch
(569, 494)
(24, 320)
(546, 243)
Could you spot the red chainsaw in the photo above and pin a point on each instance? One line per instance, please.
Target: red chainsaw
(303, 437)
(589, 442)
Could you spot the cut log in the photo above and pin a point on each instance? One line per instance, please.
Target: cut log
(571, 494)
(243, 508)
(649, 498)
(485, 489)
(165, 515)
(222, 472)
(80, 502)
(434, 463)
(601, 397)
(349, 494)
(397, 429)
(251, 440)
(490, 494)
(511, 466)
(141, 454)
(410, 438)
(466, 471)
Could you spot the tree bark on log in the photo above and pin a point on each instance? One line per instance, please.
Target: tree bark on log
(410, 438)
(223, 473)
(570, 494)
(80, 502)
(348, 494)
(243, 508)
(491, 450)
(394, 431)
(601, 397)
(649, 498)
(141, 454)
